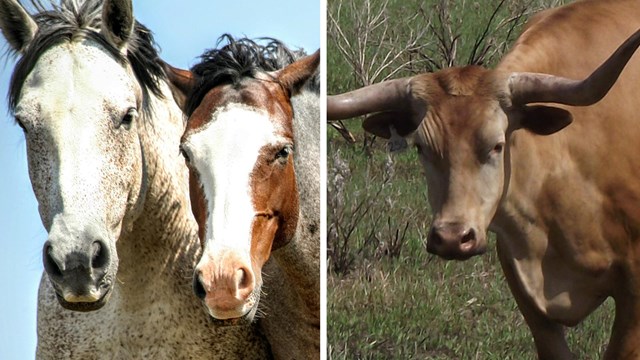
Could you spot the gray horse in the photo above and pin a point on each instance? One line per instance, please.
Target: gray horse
(102, 134)
(252, 144)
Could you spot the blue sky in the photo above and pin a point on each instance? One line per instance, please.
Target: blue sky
(183, 32)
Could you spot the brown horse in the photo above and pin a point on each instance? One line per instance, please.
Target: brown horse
(249, 107)
(102, 136)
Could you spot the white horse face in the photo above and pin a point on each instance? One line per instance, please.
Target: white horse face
(78, 107)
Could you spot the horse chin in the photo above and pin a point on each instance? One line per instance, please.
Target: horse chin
(85, 306)
(243, 320)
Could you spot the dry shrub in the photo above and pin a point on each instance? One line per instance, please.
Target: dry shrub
(369, 207)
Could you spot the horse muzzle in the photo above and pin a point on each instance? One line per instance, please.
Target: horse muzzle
(84, 303)
(228, 286)
(81, 275)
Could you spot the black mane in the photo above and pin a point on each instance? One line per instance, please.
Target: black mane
(235, 60)
(72, 19)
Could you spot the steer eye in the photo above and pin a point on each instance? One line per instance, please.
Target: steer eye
(495, 151)
(128, 118)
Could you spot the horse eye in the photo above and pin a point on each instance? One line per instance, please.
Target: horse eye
(131, 114)
(284, 152)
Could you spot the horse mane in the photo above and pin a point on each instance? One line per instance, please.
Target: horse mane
(237, 59)
(72, 19)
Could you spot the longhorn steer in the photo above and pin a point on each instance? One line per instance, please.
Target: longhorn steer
(563, 200)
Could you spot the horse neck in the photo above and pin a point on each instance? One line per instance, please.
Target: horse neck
(300, 259)
(163, 238)
(299, 263)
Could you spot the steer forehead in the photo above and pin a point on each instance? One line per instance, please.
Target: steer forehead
(462, 122)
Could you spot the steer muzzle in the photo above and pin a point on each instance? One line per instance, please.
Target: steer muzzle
(455, 241)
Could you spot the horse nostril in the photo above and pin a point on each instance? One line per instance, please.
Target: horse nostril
(50, 264)
(198, 287)
(100, 255)
(244, 278)
(470, 235)
(244, 282)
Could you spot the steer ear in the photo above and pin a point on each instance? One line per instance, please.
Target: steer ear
(544, 120)
(380, 124)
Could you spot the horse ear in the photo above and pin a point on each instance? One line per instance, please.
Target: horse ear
(181, 83)
(117, 21)
(296, 74)
(17, 26)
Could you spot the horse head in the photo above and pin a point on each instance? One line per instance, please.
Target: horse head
(239, 144)
(80, 93)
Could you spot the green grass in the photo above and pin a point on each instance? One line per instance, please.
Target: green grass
(412, 305)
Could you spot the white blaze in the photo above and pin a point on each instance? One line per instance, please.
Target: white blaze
(224, 153)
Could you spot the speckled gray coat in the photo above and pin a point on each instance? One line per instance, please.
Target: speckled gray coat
(153, 313)
(129, 177)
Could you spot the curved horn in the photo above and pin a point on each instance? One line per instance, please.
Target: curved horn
(529, 87)
(384, 96)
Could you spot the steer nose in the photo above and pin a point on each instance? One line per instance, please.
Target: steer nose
(452, 241)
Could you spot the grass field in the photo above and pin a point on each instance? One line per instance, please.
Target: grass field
(387, 297)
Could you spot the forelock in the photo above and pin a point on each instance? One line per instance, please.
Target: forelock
(77, 19)
(234, 59)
